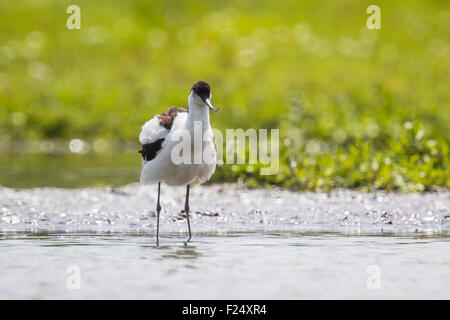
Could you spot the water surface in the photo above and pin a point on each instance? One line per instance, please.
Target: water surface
(247, 244)
(224, 266)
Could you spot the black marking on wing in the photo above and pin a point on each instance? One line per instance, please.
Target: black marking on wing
(150, 150)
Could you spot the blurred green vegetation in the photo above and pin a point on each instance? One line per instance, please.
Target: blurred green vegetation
(357, 108)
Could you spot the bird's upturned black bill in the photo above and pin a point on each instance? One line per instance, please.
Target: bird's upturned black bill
(209, 105)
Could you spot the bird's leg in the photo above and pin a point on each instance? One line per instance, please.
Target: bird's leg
(186, 210)
(158, 210)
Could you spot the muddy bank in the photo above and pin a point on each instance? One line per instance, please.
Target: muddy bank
(222, 208)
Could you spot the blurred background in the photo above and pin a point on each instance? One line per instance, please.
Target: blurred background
(356, 108)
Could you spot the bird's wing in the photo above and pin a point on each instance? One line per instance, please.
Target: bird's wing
(151, 137)
(154, 132)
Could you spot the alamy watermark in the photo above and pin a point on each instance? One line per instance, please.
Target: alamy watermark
(74, 20)
(374, 277)
(374, 20)
(74, 277)
(239, 147)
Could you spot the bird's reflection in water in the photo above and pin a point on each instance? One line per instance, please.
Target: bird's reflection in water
(185, 252)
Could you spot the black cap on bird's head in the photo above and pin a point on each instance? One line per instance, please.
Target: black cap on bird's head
(203, 90)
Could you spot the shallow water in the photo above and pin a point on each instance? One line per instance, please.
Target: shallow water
(69, 170)
(225, 266)
(246, 244)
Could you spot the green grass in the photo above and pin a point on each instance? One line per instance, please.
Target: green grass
(356, 108)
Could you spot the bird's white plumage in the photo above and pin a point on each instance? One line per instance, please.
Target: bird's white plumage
(162, 167)
(152, 131)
